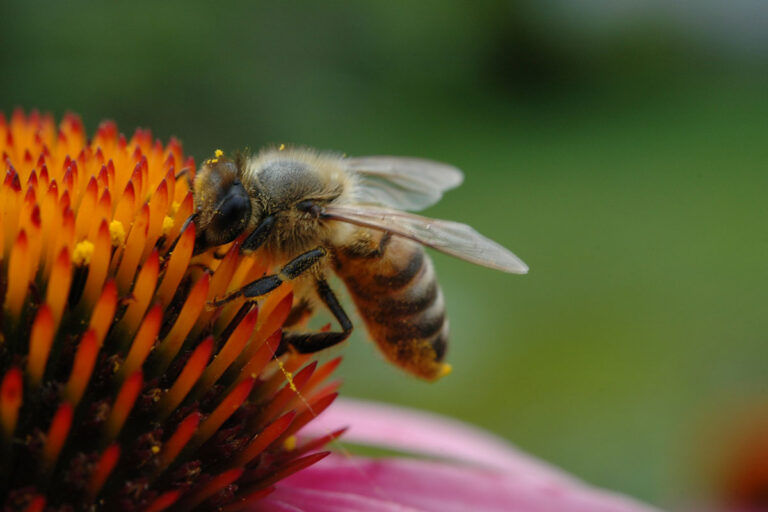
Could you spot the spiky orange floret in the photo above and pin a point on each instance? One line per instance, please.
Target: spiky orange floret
(121, 387)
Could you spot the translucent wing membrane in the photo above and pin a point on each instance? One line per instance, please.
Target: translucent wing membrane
(452, 238)
(400, 182)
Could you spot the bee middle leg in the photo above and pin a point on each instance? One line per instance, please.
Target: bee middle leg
(307, 343)
(266, 284)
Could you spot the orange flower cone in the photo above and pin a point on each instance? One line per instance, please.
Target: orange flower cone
(121, 387)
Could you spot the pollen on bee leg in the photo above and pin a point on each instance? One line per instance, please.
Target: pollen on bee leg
(445, 370)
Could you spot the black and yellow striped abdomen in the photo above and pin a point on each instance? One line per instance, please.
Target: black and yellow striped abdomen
(393, 284)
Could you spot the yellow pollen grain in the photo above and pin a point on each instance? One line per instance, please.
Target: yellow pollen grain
(167, 225)
(281, 148)
(82, 253)
(445, 370)
(290, 443)
(217, 154)
(155, 449)
(117, 232)
(288, 376)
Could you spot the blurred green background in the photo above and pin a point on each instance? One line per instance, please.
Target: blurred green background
(620, 148)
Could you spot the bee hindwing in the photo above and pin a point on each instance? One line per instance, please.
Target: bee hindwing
(401, 182)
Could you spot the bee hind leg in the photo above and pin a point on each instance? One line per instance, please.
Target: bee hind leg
(307, 343)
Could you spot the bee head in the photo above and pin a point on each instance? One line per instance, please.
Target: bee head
(222, 204)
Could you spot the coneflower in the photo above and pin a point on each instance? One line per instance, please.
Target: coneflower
(121, 387)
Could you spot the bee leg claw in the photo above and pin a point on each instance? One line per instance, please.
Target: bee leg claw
(218, 302)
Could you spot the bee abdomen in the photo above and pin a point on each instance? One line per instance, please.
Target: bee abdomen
(397, 294)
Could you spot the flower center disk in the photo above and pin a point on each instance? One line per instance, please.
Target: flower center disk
(121, 386)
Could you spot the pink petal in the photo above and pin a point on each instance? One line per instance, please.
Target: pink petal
(387, 485)
(423, 433)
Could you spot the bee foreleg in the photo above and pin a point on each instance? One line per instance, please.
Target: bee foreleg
(185, 173)
(258, 235)
(184, 227)
(266, 284)
(307, 343)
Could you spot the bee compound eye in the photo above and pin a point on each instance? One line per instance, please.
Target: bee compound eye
(232, 214)
(234, 210)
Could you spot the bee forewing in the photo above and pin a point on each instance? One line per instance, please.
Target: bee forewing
(402, 182)
(452, 238)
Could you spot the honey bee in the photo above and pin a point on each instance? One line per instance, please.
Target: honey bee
(313, 212)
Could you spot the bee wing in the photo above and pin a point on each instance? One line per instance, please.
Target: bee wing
(401, 182)
(452, 238)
